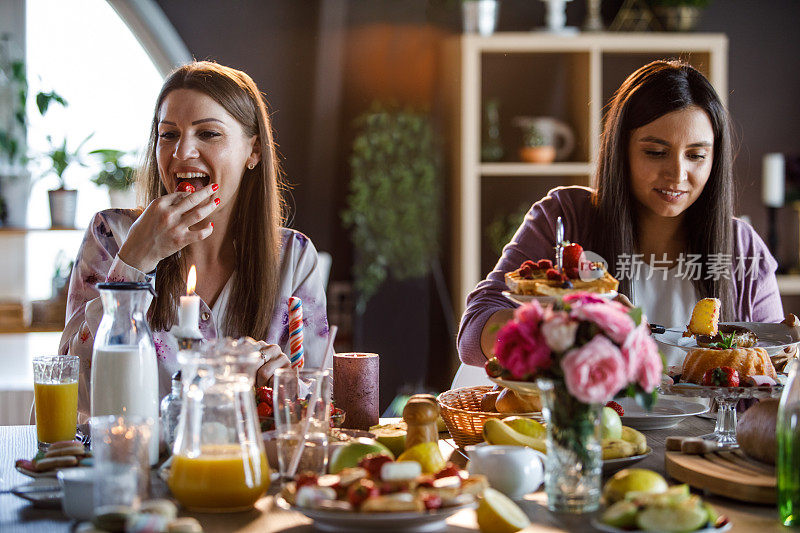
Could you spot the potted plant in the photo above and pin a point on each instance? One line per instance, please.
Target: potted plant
(117, 176)
(15, 178)
(63, 201)
(679, 15)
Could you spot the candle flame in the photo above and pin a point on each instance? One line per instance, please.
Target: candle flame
(191, 281)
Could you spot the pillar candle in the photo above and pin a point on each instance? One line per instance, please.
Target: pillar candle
(189, 310)
(355, 388)
(773, 178)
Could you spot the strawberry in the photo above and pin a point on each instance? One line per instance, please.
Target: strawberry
(723, 376)
(544, 264)
(617, 407)
(553, 274)
(264, 394)
(572, 255)
(571, 272)
(360, 491)
(432, 501)
(185, 186)
(264, 409)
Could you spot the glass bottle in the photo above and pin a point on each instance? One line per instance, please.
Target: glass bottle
(170, 411)
(124, 365)
(219, 464)
(491, 146)
(788, 460)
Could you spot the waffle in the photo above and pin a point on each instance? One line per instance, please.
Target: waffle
(537, 283)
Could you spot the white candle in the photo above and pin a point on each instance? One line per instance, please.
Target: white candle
(189, 311)
(773, 178)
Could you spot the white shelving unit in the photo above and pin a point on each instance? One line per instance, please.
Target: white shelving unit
(570, 78)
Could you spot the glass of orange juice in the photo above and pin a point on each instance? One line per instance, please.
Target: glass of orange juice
(55, 392)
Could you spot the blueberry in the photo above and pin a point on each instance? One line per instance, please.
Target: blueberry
(566, 285)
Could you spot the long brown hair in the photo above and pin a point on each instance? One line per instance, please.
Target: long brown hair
(652, 91)
(257, 212)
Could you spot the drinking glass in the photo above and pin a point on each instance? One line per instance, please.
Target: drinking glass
(120, 445)
(55, 392)
(302, 403)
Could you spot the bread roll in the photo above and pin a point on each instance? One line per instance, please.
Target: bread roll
(511, 401)
(755, 431)
(488, 401)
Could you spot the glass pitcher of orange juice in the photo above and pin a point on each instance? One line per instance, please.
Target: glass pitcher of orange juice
(218, 462)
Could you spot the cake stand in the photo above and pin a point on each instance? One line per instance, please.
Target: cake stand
(726, 399)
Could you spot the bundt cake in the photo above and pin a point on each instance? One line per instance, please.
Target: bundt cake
(746, 361)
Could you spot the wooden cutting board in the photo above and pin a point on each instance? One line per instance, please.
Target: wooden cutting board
(729, 473)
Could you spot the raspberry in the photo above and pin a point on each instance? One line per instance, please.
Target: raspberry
(526, 272)
(545, 264)
(553, 274)
(572, 255)
(617, 407)
(571, 272)
(528, 263)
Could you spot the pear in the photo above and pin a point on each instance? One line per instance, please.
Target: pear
(622, 514)
(638, 440)
(610, 424)
(496, 432)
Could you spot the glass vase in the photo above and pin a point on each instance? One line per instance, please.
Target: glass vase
(574, 454)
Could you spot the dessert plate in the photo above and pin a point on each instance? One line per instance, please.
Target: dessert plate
(773, 337)
(611, 529)
(43, 492)
(354, 521)
(666, 413)
(544, 300)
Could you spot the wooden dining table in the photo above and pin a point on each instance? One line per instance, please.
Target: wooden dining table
(17, 515)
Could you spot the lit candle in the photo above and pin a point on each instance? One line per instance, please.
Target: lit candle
(773, 176)
(189, 311)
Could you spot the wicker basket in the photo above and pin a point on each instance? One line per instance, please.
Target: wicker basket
(461, 411)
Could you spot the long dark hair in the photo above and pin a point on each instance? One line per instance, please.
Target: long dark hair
(256, 216)
(652, 91)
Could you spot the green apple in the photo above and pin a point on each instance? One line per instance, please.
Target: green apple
(632, 480)
(610, 424)
(350, 454)
(621, 514)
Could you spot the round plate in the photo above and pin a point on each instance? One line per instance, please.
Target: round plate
(772, 337)
(353, 521)
(43, 492)
(690, 390)
(612, 465)
(544, 300)
(611, 529)
(666, 413)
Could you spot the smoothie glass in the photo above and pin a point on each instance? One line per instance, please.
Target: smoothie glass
(218, 462)
(55, 391)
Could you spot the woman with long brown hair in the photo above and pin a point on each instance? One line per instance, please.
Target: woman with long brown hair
(210, 182)
(660, 214)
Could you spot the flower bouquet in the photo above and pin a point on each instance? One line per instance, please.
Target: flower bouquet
(580, 351)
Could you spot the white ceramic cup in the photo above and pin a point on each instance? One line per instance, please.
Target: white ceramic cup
(78, 487)
(513, 470)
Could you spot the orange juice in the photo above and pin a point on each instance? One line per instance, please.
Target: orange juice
(56, 411)
(219, 479)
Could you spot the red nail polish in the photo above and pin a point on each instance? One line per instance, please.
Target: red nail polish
(212, 225)
(216, 201)
(214, 187)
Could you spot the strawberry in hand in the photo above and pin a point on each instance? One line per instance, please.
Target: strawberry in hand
(185, 186)
(723, 376)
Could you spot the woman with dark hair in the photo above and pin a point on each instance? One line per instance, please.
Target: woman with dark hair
(210, 182)
(660, 213)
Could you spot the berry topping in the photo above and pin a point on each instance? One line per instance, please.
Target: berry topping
(528, 264)
(617, 407)
(573, 255)
(544, 264)
(553, 274)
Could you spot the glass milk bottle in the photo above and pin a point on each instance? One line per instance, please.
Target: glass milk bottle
(124, 366)
(218, 461)
(788, 460)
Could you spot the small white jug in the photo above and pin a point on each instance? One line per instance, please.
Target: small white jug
(513, 470)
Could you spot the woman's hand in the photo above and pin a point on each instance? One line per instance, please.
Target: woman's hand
(167, 225)
(621, 298)
(274, 359)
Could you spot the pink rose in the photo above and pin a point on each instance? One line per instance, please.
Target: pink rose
(559, 331)
(595, 372)
(614, 322)
(633, 350)
(650, 371)
(531, 312)
(521, 349)
(580, 298)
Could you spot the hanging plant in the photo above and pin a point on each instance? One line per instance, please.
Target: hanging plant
(393, 201)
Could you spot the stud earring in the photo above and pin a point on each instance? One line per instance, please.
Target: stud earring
(251, 166)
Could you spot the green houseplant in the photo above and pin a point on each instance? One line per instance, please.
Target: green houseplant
(393, 201)
(63, 201)
(116, 176)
